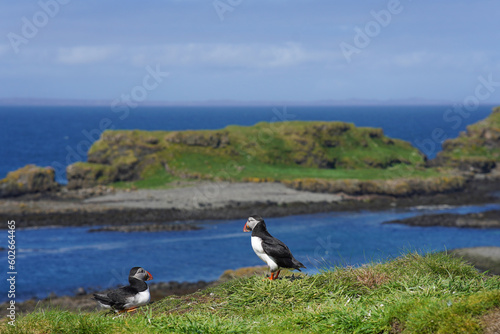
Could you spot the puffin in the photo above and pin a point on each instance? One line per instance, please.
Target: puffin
(269, 249)
(127, 298)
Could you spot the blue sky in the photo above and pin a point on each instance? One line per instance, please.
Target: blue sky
(249, 50)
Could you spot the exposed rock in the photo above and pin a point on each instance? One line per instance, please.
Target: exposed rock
(476, 150)
(88, 175)
(487, 219)
(203, 139)
(28, 180)
(243, 272)
(147, 228)
(396, 187)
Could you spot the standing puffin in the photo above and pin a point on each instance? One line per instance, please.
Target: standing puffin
(269, 249)
(127, 298)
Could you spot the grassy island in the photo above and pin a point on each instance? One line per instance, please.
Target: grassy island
(264, 152)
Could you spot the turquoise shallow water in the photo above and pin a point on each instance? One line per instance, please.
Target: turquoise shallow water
(62, 259)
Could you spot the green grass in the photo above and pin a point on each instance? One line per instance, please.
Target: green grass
(432, 293)
(156, 178)
(266, 151)
(223, 168)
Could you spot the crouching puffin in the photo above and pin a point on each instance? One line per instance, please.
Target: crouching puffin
(269, 249)
(127, 298)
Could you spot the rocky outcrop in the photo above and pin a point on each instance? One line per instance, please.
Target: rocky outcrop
(211, 139)
(488, 219)
(147, 228)
(28, 180)
(135, 155)
(476, 150)
(243, 272)
(88, 175)
(398, 187)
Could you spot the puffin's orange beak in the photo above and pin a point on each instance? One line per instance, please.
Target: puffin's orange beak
(245, 228)
(150, 276)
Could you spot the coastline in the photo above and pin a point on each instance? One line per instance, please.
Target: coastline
(212, 201)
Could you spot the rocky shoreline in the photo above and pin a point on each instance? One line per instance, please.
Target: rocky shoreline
(211, 201)
(487, 219)
(147, 227)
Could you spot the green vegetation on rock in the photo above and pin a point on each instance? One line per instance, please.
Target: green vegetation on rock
(263, 152)
(433, 293)
(477, 149)
(27, 180)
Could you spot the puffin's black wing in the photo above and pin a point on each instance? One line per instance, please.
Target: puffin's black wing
(103, 299)
(275, 248)
(280, 253)
(117, 298)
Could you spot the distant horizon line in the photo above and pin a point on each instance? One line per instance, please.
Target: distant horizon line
(330, 102)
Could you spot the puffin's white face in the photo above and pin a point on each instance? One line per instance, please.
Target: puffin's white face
(251, 223)
(141, 274)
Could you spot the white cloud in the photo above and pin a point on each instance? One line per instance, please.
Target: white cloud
(237, 55)
(84, 54)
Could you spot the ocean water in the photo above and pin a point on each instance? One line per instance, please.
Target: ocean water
(59, 136)
(62, 259)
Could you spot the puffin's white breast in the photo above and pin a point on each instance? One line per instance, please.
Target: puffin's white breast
(139, 299)
(257, 248)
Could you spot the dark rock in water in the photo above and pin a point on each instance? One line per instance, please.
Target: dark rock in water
(147, 228)
(487, 219)
(28, 180)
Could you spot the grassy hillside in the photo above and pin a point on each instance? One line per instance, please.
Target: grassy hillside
(265, 151)
(435, 293)
(478, 148)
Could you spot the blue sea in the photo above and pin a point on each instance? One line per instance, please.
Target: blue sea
(61, 260)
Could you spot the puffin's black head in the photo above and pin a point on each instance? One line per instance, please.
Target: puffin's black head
(252, 222)
(140, 274)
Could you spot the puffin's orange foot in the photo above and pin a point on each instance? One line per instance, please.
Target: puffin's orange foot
(128, 310)
(269, 278)
(274, 276)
